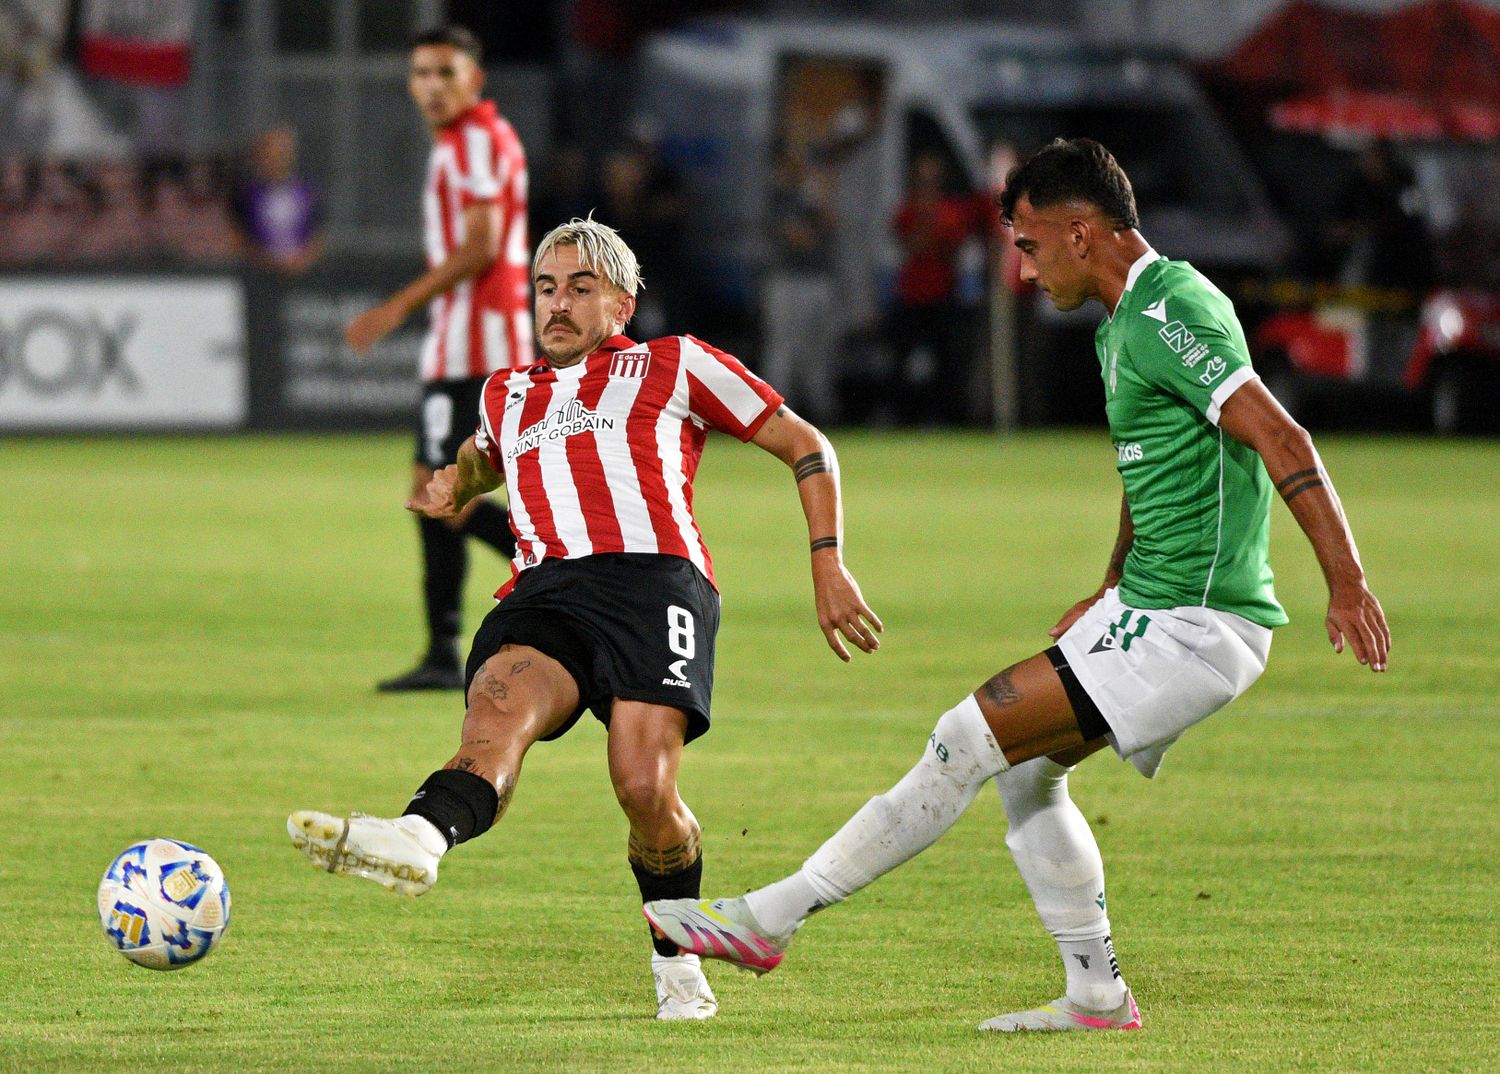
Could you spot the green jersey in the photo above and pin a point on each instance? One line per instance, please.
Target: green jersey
(1200, 501)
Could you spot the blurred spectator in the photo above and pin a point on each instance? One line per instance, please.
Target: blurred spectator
(929, 326)
(277, 215)
(193, 213)
(641, 198)
(847, 151)
(566, 192)
(802, 326)
(115, 227)
(1379, 229)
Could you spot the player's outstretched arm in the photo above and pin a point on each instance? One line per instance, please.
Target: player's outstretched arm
(480, 247)
(1253, 417)
(1112, 574)
(452, 487)
(841, 607)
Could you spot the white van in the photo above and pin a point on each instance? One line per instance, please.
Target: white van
(722, 94)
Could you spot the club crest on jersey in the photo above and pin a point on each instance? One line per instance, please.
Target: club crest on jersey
(571, 419)
(630, 365)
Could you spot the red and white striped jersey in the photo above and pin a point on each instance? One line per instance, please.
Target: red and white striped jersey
(484, 323)
(600, 456)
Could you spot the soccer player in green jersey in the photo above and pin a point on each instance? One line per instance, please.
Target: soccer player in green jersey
(1180, 626)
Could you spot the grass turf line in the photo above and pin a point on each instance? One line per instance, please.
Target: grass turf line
(189, 632)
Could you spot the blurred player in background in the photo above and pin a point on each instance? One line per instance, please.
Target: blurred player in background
(614, 606)
(1180, 627)
(477, 291)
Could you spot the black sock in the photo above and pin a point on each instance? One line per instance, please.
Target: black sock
(445, 561)
(459, 804)
(683, 884)
(491, 524)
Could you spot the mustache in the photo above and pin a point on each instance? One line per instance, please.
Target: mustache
(563, 321)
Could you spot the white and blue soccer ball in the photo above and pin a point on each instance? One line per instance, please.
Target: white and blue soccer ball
(164, 904)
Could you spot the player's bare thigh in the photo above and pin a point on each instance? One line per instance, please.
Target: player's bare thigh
(518, 696)
(1029, 714)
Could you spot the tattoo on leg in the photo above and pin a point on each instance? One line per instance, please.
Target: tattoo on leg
(466, 764)
(505, 786)
(519, 666)
(669, 860)
(1001, 691)
(486, 685)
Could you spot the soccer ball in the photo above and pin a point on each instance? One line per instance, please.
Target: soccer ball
(164, 904)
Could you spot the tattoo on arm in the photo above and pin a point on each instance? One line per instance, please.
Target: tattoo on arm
(808, 465)
(1288, 495)
(1292, 479)
(1117, 557)
(1001, 691)
(667, 861)
(824, 542)
(1123, 544)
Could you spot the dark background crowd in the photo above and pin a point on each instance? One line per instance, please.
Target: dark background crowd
(273, 136)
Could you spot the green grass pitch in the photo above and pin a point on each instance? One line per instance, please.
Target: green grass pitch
(189, 631)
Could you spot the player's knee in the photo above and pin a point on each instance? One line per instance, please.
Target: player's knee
(644, 797)
(499, 722)
(962, 744)
(1030, 787)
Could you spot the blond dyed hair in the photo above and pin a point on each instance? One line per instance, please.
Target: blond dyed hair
(600, 250)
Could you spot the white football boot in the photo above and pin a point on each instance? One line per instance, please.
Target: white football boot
(1064, 1014)
(717, 928)
(398, 854)
(682, 992)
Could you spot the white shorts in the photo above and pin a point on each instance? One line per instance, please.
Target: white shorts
(1155, 672)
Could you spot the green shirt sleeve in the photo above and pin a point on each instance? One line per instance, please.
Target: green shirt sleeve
(1191, 355)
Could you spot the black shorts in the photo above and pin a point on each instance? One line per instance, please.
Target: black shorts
(625, 625)
(449, 416)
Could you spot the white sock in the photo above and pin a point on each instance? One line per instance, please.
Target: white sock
(1094, 979)
(1057, 856)
(893, 827)
(683, 959)
(428, 836)
(780, 908)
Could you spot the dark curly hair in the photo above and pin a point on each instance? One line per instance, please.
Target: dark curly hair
(1071, 169)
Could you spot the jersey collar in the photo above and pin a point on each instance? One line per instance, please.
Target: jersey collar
(1140, 266)
(542, 370)
(480, 110)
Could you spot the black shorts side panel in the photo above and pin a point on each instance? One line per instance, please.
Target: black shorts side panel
(1091, 722)
(626, 626)
(448, 416)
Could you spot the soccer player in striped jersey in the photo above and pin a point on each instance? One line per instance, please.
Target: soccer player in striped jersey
(1180, 627)
(613, 606)
(477, 294)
